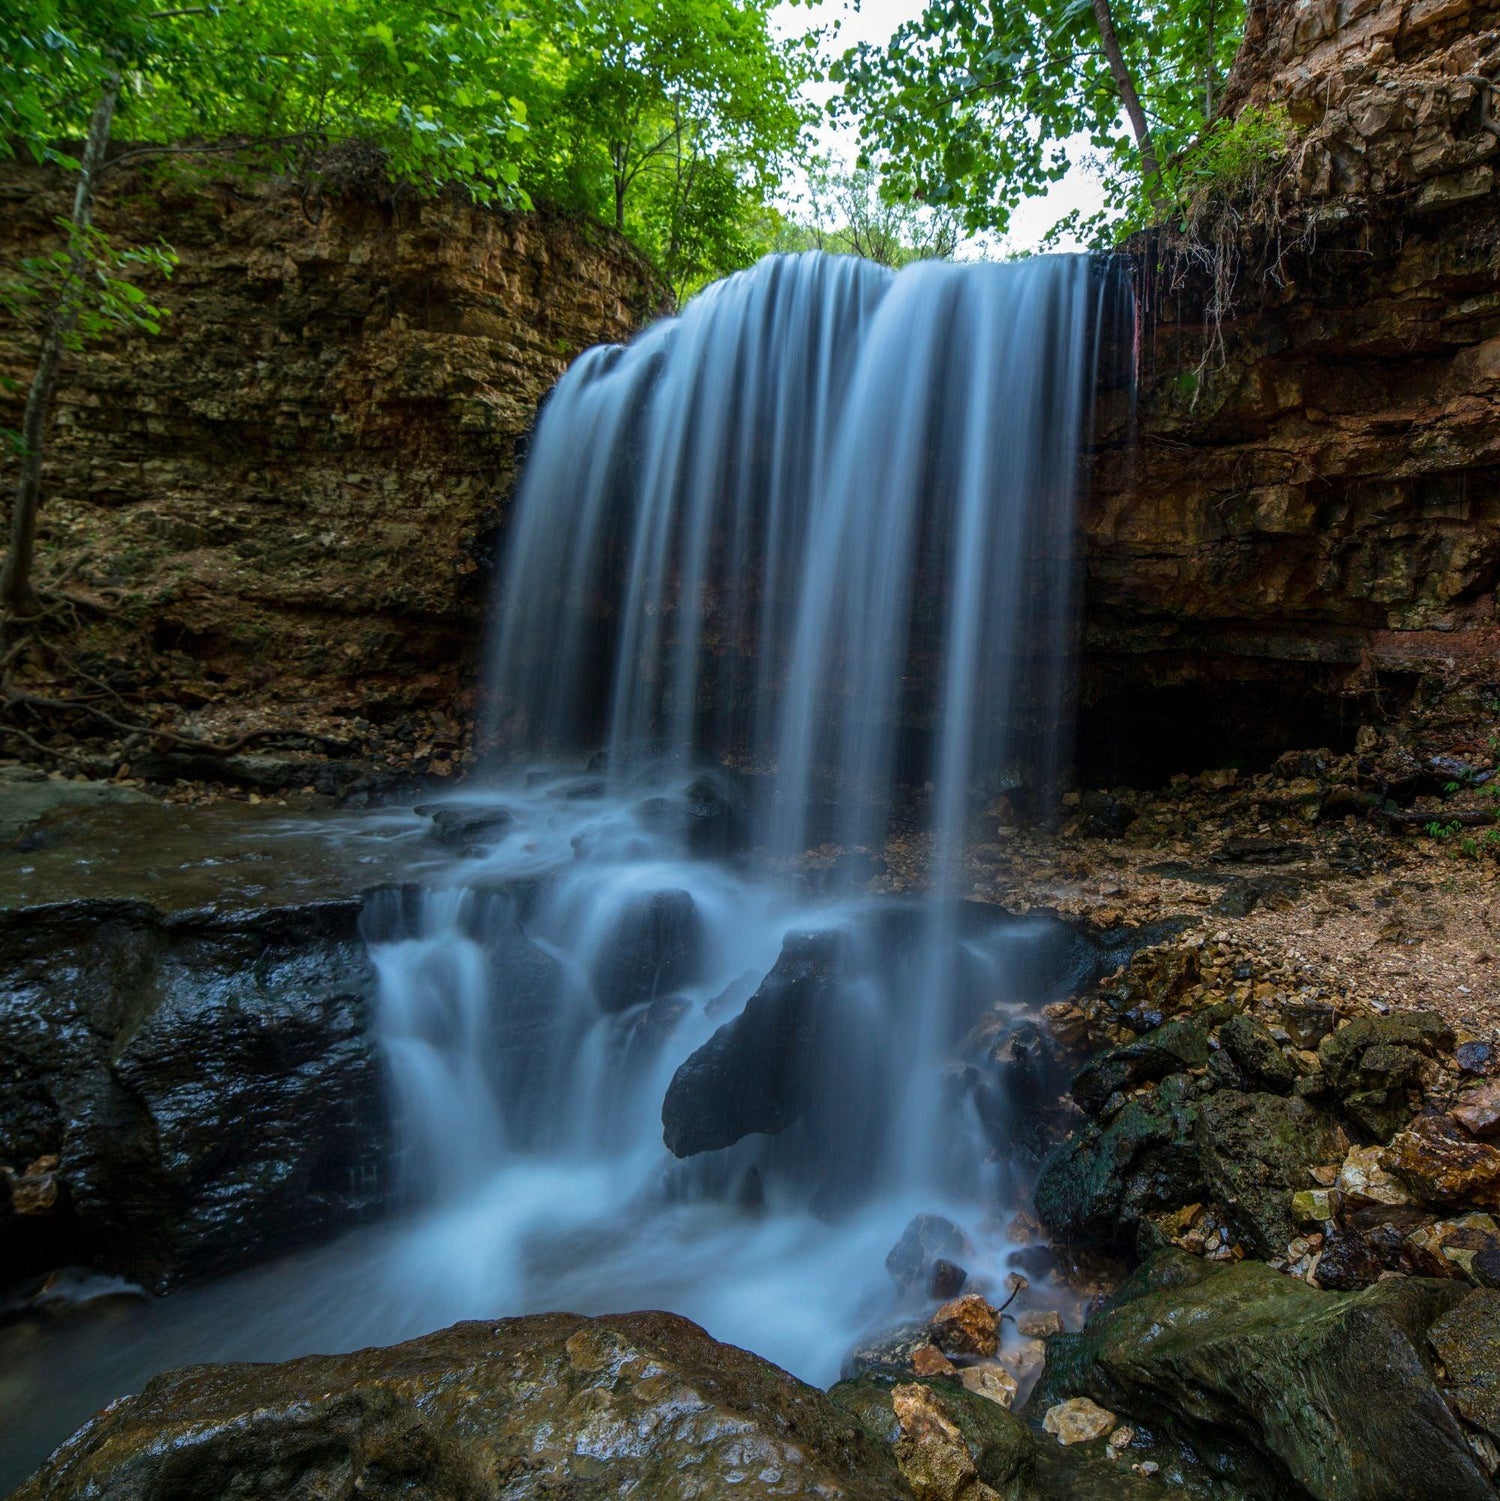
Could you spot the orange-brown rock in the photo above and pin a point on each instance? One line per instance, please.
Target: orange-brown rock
(967, 1326)
(1444, 1164)
(928, 1360)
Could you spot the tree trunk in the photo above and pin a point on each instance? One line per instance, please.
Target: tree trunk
(17, 596)
(1125, 87)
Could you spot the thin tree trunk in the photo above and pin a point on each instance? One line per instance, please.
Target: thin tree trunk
(17, 596)
(1125, 87)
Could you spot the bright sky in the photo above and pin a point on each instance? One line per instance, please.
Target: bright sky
(874, 21)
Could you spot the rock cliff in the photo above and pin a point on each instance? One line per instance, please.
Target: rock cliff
(1298, 527)
(291, 493)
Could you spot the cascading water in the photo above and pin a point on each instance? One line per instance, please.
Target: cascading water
(787, 602)
(792, 569)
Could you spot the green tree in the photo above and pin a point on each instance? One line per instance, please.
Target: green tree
(280, 76)
(672, 120)
(974, 106)
(848, 213)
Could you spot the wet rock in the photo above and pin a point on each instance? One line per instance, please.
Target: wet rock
(949, 1442)
(482, 1410)
(967, 1326)
(1168, 1049)
(1314, 1206)
(1365, 1177)
(783, 1058)
(1467, 1341)
(1444, 1164)
(655, 949)
(1346, 1263)
(928, 1239)
(992, 1382)
(710, 816)
(1255, 1369)
(1478, 1111)
(1078, 1421)
(1257, 1150)
(1040, 1324)
(947, 1279)
(459, 828)
(1099, 1186)
(1447, 1248)
(928, 1360)
(890, 1352)
(204, 1078)
(1258, 1054)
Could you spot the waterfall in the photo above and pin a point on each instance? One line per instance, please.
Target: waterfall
(787, 597)
(681, 1000)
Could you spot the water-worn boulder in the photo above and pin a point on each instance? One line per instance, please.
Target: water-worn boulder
(763, 1070)
(554, 1405)
(655, 949)
(928, 1241)
(1329, 1394)
(204, 1079)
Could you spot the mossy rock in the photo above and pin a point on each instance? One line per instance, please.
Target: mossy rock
(1168, 1049)
(555, 1405)
(1256, 1150)
(1000, 1444)
(1099, 1185)
(1324, 1395)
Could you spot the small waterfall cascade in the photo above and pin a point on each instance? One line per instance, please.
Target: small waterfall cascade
(683, 1000)
(787, 602)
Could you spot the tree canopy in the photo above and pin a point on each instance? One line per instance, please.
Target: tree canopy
(671, 119)
(978, 104)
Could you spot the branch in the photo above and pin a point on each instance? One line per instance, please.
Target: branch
(14, 695)
(252, 144)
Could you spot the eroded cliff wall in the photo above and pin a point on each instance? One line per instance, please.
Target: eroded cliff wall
(290, 494)
(1298, 528)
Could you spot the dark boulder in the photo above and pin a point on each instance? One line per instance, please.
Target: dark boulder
(1097, 1187)
(639, 1404)
(654, 949)
(763, 1070)
(1168, 1049)
(926, 1241)
(1256, 1151)
(1258, 1054)
(1467, 1341)
(1327, 1394)
(205, 1079)
(1372, 1063)
(710, 816)
(458, 828)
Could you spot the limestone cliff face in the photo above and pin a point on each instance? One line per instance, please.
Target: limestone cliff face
(292, 490)
(1299, 528)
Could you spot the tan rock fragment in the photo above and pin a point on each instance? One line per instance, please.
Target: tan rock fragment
(992, 1381)
(967, 1326)
(1078, 1421)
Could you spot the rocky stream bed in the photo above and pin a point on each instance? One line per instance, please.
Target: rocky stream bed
(1279, 1103)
